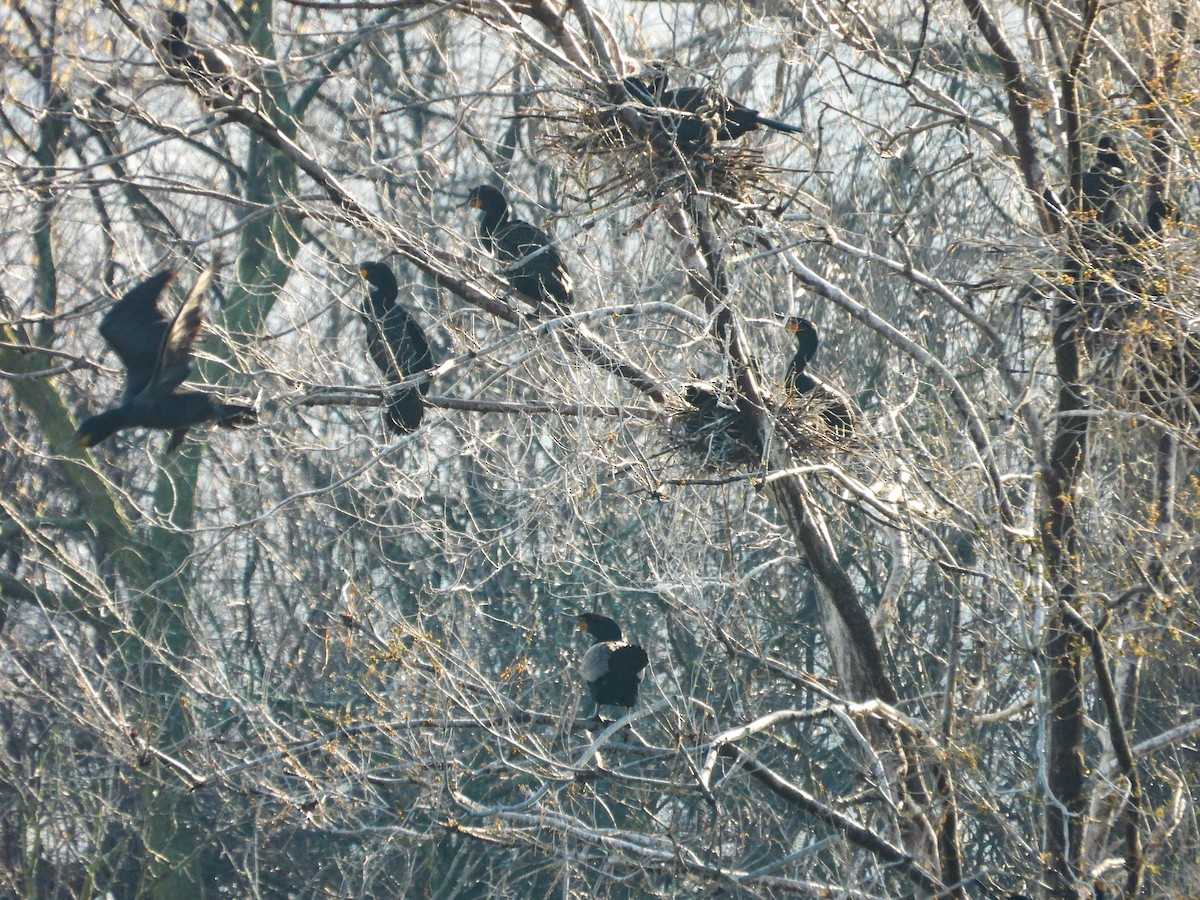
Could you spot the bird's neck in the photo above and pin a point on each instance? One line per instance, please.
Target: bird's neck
(381, 301)
(177, 46)
(493, 219)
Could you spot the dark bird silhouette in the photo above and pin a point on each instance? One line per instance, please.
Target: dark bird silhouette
(1102, 183)
(1134, 236)
(834, 413)
(205, 64)
(708, 114)
(807, 341)
(611, 667)
(157, 355)
(397, 345)
(1105, 180)
(542, 279)
(715, 428)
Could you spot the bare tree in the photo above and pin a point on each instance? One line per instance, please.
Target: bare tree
(923, 626)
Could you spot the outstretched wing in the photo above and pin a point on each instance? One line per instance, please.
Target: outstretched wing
(618, 685)
(629, 661)
(135, 327)
(174, 359)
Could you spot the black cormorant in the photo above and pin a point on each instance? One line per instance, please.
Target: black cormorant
(806, 348)
(157, 356)
(834, 413)
(1105, 180)
(206, 64)
(1158, 214)
(396, 344)
(542, 279)
(708, 113)
(611, 667)
(715, 428)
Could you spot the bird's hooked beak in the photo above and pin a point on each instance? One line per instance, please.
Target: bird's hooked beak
(580, 621)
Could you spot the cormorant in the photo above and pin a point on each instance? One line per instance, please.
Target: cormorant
(207, 64)
(542, 279)
(396, 344)
(1106, 178)
(708, 113)
(807, 341)
(157, 356)
(1158, 214)
(1102, 183)
(835, 414)
(611, 667)
(714, 430)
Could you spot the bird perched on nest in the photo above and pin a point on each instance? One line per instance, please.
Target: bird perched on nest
(706, 114)
(714, 429)
(397, 345)
(157, 355)
(611, 667)
(797, 382)
(532, 264)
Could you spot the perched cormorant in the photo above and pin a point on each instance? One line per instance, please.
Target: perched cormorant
(1158, 214)
(542, 279)
(396, 344)
(835, 414)
(708, 113)
(1102, 183)
(715, 428)
(157, 356)
(207, 64)
(611, 667)
(1106, 178)
(806, 348)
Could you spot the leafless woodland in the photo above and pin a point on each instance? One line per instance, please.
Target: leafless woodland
(952, 655)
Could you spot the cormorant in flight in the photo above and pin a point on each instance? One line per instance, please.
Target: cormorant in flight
(157, 355)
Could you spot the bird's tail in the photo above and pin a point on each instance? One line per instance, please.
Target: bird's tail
(231, 415)
(404, 411)
(780, 126)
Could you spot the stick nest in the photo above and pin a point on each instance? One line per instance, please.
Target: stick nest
(622, 151)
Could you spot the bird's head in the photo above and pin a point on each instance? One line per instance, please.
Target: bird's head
(94, 429)
(796, 324)
(380, 279)
(486, 197)
(599, 628)
(654, 74)
(178, 23)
